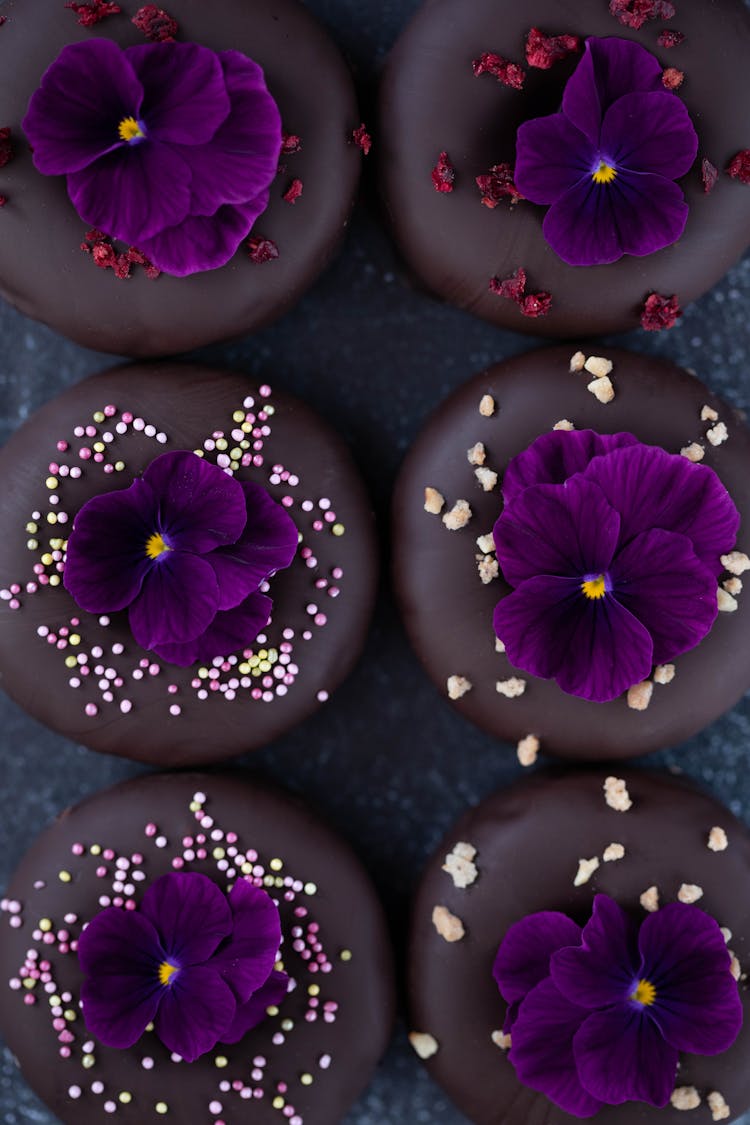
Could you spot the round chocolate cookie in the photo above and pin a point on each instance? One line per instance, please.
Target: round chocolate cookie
(448, 583)
(432, 103)
(525, 844)
(306, 1062)
(83, 674)
(45, 273)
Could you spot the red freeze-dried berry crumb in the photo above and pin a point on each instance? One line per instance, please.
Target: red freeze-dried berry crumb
(262, 249)
(290, 143)
(90, 14)
(6, 148)
(672, 78)
(156, 24)
(544, 50)
(514, 289)
(498, 185)
(103, 252)
(536, 304)
(443, 174)
(294, 191)
(3, 200)
(709, 175)
(739, 166)
(362, 138)
(660, 312)
(3, 19)
(670, 38)
(634, 13)
(509, 73)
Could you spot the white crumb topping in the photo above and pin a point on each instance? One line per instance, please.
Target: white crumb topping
(527, 750)
(726, 933)
(458, 686)
(720, 1111)
(613, 852)
(424, 1044)
(476, 454)
(690, 892)
(599, 366)
(458, 516)
(736, 562)
(487, 406)
(708, 414)
(486, 477)
(586, 868)
(577, 361)
(499, 645)
(639, 695)
(717, 839)
(602, 389)
(563, 424)
(488, 568)
(664, 673)
(725, 601)
(616, 794)
(685, 1097)
(486, 543)
(717, 434)
(433, 501)
(733, 586)
(447, 925)
(459, 864)
(511, 688)
(734, 965)
(501, 1040)
(649, 900)
(693, 452)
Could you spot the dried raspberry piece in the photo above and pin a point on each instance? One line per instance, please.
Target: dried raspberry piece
(536, 304)
(443, 174)
(104, 255)
(152, 272)
(634, 13)
(6, 148)
(498, 185)
(294, 191)
(709, 175)
(90, 14)
(670, 38)
(739, 166)
(3, 198)
(156, 24)
(672, 78)
(660, 312)
(103, 252)
(544, 50)
(290, 143)
(121, 266)
(262, 249)
(509, 73)
(512, 288)
(362, 138)
(3, 19)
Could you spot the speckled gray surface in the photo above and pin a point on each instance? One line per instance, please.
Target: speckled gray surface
(387, 761)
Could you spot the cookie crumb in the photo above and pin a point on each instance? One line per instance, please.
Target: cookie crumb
(501, 1040)
(499, 645)
(726, 933)
(720, 1111)
(487, 406)
(563, 424)
(599, 366)
(639, 695)
(447, 925)
(424, 1044)
(577, 362)
(489, 569)
(717, 434)
(616, 794)
(693, 452)
(512, 687)
(685, 1097)
(458, 686)
(486, 543)
(527, 750)
(613, 852)
(734, 965)
(476, 454)
(434, 501)
(486, 477)
(460, 866)
(586, 868)
(602, 389)
(664, 673)
(717, 839)
(458, 516)
(690, 893)
(708, 414)
(733, 586)
(736, 562)
(725, 601)
(649, 900)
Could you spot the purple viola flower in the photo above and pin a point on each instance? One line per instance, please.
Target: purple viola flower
(196, 964)
(185, 549)
(613, 549)
(170, 147)
(606, 164)
(598, 1015)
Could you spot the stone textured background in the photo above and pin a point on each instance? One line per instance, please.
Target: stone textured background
(387, 762)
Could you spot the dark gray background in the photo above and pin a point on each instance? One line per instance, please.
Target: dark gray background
(387, 762)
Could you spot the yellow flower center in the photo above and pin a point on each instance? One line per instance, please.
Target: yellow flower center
(166, 972)
(604, 174)
(644, 993)
(129, 129)
(156, 546)
(594, 588)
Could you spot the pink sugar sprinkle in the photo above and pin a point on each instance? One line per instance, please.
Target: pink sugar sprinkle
(91, 710)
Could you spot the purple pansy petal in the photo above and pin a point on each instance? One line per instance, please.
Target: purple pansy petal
(106, 560)
(685, 957)
(185, 98)
(621, 1057)
(73, 117)
(201, 507)
(178, 601)
(268, 544)
(248, 958)
(609, 69)
(667, 146)
(194, 1012)
(600, 971)
(132, 194)
(565, 529)
(581, 226)
(557, 455)
(551, 156)
(522, 960)
(190, 914)
(651, 212)
(203, 242)
(542, 1049)
(229, 632)
(660, 580)
(651, 488)
(511, 1015)
(253, 1011)
(591, 648)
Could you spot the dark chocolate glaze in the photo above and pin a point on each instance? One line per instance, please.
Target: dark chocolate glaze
(188, 404)
(432, 102)
(529, 840)
(344, 905)
(448, 612)
(44, 273)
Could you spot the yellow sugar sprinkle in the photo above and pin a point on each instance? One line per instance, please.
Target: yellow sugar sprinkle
(119, 466)
(238, 416)
(32, 544)
(64, 876)
(306, 1079)
(70, 662)
(278, 1102)
(338, 529)
(98, 416)
(287, 1025)
(218, 853)
(310, 889)
(54, 579)
(32, 527)
(313, 990)
(47, 559)
(88, 1061)
(51, 517)
(221, 443)
(70, 1015)
(96, 849)
(161, 1107)
(45, 925)
(74, 639)
(221, 1061)
(51, 482)
(99, 447)
(125, 1097)
(345, 954)
(272, 1010)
